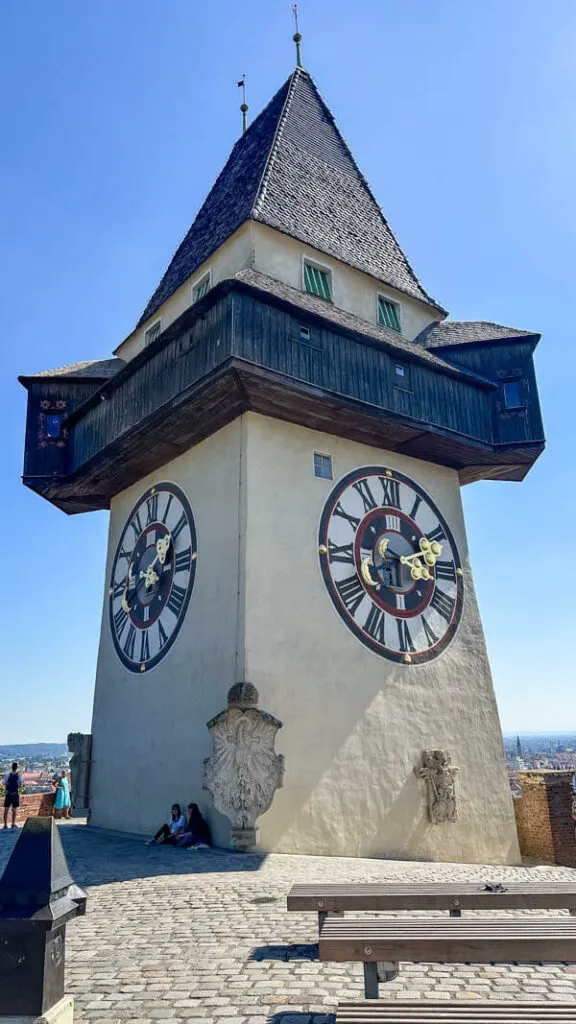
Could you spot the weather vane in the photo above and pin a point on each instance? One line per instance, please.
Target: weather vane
(244, 106)
(297, 37)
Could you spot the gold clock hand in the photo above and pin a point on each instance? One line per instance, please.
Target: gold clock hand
(162, 546)
(365, 566)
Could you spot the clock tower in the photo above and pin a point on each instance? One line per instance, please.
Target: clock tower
(281, 442)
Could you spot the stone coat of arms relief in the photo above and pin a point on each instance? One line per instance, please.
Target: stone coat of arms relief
(244, 771)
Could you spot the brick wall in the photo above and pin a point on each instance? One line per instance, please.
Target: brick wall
(34, 805)
(546, 829)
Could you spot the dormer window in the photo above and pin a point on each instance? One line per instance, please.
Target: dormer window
(152, 332)
(201, 287)
(318, 280)
(388, 313)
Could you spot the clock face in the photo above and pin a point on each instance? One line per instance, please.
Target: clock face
(152, 577)
(391, 565)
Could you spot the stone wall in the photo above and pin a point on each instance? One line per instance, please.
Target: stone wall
(35, 805)
(546, 829)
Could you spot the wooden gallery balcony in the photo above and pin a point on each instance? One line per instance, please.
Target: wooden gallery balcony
(242, 348)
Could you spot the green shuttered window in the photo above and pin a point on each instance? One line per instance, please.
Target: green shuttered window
(317, 281)
(388, 314)
(200, 290)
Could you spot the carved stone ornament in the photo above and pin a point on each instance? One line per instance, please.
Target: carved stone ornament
(438, 771)
(80, 746)
(243, 771)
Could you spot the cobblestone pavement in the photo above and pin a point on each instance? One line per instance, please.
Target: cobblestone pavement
(175, 934)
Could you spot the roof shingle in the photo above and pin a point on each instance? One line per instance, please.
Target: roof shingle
(465, 332)
(99, 369)
(293, 171)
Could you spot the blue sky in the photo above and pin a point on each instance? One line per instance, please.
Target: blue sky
(116, 119)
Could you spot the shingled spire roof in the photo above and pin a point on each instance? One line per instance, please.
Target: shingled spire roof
(293, 171)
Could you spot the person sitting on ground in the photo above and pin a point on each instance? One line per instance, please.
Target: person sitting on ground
(168, 834)
(197, 834)
(62, 803)
(13, 785)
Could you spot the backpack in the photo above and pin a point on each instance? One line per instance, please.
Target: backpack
(12, 783)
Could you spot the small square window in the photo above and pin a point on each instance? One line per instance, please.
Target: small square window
(323, 466)
(201, 288)
(400, 370)
(53, 426)
(513, 394)
(304, 333)
(152, 333)
(388, 314)
(317, 281)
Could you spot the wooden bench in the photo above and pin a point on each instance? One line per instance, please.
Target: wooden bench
(381, 944)
(401, 1012)
(452, 896)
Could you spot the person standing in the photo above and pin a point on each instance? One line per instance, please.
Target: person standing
(62, 803)
(13, 785)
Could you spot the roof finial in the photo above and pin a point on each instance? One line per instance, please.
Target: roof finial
(244, 106)
(297, 37)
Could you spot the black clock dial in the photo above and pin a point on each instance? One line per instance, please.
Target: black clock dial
(152, 577)
(391, 565)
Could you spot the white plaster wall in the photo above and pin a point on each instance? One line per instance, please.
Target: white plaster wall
(281, 257)
(149, 730)
(271, 252)
(234, 255)
(355, 724)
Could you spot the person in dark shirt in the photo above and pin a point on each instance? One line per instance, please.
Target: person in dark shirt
(197, 832)
(12, 784)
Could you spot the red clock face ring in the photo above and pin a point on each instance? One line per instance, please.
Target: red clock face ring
(391, 565)
(152, 577)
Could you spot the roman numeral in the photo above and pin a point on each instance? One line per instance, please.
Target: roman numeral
(130, 641)
(437, 534)
(404, 638)
(339, 511)
(120, 620)
(430, 634)
(445, 571)
(118, 589)
(375, 624)
(136, 525)
(179, 527)
(351, 592)
(167, 509)
(361, 486)
(176, 599)
(390, 492)
(340, 554)
(415, 507)
(152, 509)
(162, 636)
(125, 554)
(144, 645)
(183, 560)
(443, 604)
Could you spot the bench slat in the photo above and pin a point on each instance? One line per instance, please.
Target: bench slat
(444, 940)
(430, 896)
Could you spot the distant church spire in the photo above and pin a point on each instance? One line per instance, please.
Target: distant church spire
(297, 37)
(518, 747)
(244, 106)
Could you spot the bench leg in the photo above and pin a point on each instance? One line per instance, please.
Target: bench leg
(370, 980)
(455, 913)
